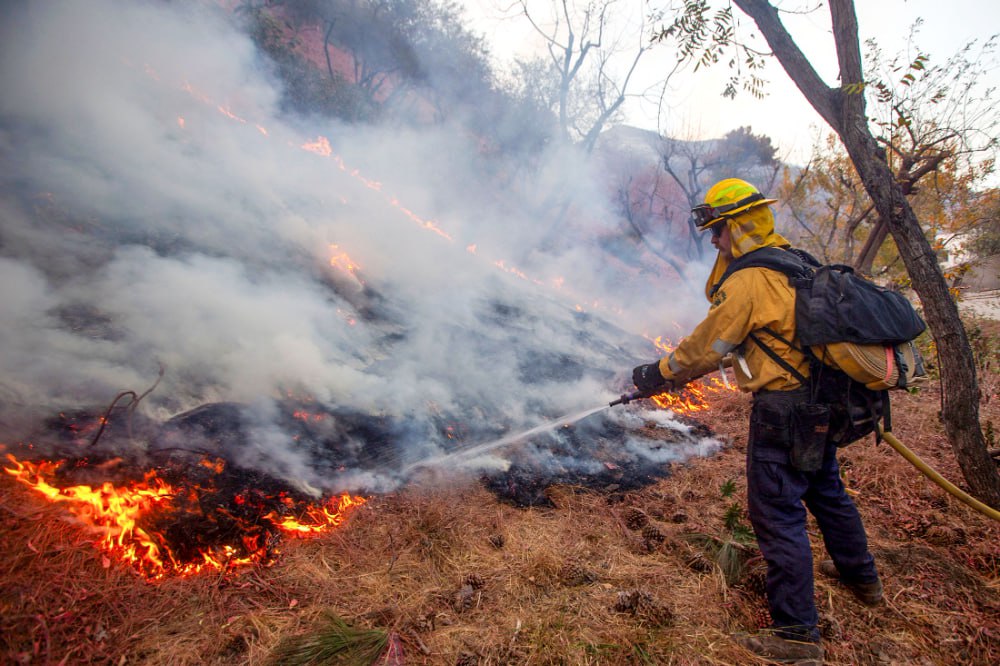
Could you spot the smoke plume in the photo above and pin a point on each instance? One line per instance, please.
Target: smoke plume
(159, 210)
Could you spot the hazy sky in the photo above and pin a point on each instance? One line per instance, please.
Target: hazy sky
(698, 111)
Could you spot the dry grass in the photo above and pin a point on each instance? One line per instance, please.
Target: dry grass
(456, 577)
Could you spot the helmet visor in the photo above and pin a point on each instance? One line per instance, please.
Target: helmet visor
(705, 213)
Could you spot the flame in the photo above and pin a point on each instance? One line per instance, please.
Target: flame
(224, 110)
(341, 260)
(119, 513)
(321, 146)
(694, 396)
(425, 224)
(514, 271)
(321, 518)
(303, 415)
(662, 345)
(691, 399)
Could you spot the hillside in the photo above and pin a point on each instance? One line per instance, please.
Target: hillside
(456, 576)
(309, 308)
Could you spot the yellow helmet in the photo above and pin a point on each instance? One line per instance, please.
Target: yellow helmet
(727, 198)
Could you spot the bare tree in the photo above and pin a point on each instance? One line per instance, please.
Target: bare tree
(584, 45)
(645, 198)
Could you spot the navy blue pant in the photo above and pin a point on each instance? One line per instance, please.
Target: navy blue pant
(776, 494)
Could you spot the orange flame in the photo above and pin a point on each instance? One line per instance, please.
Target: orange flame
(320, 146)
(224, 110)
(116, 514)
(321, 518)
(303, 415)
(341, 260)
(113, 510)
(693, 397)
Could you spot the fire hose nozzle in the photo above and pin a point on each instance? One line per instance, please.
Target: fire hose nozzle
(639, 394)
(636, 395)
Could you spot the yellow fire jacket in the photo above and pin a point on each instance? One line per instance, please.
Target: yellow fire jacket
(749, 300)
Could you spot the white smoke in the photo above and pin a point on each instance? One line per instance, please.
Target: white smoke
(159, 210)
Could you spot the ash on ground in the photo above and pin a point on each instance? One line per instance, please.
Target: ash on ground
(613, 452)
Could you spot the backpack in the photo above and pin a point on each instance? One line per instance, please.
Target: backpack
(857, 336)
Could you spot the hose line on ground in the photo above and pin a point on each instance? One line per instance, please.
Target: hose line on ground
(929, 472)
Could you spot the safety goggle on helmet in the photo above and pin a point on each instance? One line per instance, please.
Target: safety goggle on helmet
(727, 198)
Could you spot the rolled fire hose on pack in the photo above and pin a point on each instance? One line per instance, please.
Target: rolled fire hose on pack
(929, 472)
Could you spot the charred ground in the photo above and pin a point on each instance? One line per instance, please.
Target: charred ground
(605, 574)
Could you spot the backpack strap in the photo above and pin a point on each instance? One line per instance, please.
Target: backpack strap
(773, 355)
(817, 366)
(797, 265)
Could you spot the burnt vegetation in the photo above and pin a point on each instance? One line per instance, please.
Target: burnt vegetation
(575, 551)
(594, 573)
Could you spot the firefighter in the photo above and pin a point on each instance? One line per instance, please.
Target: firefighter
(741, 221)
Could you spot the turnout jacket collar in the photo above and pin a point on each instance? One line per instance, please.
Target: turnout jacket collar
(750, 230)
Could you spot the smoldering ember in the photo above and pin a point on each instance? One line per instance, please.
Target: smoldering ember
(242, 321)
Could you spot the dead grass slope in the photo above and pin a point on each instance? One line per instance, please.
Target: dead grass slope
(459, 578)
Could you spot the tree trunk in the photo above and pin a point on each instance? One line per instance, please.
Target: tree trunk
(866, 258)
(844, 110)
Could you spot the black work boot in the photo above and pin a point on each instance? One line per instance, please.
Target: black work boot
(870, 594)
(781, 650)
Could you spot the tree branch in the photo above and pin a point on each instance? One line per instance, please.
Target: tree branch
(802, 73)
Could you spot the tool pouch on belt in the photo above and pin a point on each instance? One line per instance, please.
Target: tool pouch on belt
(771, 428)
(810, 424)
(788, 428)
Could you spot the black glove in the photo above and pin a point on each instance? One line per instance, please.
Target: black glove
(647, 378)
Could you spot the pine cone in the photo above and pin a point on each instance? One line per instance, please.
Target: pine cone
(697, 561)
(645, 607)
(627, 602)
(652, 535)
(573, 573)
(636, 519)
(754, 579)
(475, 581)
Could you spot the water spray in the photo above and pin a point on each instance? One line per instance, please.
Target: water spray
(478, 449)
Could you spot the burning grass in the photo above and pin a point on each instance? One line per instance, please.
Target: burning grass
(454, 576)
(205, 518)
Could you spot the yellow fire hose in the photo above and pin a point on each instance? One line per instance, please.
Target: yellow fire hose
(929, 472)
